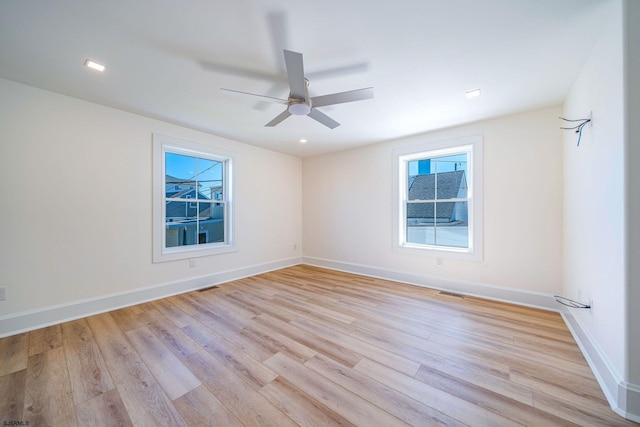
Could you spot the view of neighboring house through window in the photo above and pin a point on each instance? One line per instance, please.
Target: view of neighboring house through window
(437, 209)
(192, 200)
(194, 214)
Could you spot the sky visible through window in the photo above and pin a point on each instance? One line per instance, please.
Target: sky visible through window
(439, 164)
(208, 173)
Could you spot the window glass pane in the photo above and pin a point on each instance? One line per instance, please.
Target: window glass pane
(181, 211)
(451, 182)
(211, 225)
(451, 163)
(422, 186)
(180, 174)
(420, 167)
(420, 223)
(452, 226)
(187, 226)
(210, 179)
(181, 224)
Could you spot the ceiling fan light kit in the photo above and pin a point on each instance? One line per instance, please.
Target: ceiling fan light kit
(299, 102)
(299, 109)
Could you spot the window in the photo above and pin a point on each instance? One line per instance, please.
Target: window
(193, 210)
(438, 204)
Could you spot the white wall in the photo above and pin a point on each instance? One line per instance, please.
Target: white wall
(75, 203)
(594, 194)
(347, 208)
(631, 14)
(601, 210)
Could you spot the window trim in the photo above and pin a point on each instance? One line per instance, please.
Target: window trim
(163, 144)
(436, 148)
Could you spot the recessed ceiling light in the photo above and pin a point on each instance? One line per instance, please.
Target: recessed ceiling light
(302, 141)
(94, 65)
(473, 93)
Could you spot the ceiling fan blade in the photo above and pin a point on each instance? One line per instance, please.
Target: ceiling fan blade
(238, 71)
(342, 97)
(278, 88)
(280, 117)
(295, 74)
(254, 96)
(321, 117)
(359, 67)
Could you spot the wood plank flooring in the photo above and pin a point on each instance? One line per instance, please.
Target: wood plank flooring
(304, 346)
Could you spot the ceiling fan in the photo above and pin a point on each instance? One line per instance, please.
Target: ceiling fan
(299, 102)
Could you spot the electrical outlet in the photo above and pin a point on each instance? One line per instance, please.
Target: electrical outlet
(192, 263)
(3, 293)
(439, 262)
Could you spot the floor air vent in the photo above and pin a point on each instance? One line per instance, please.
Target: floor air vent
(451, 294)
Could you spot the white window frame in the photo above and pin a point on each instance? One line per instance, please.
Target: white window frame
(163, 144)
(472, 146)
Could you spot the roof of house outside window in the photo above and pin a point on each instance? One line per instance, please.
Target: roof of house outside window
(423, 187)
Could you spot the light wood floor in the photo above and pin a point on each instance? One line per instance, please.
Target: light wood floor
(304, 346)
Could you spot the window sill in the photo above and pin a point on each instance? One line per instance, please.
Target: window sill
(186, 253)
(439, 252)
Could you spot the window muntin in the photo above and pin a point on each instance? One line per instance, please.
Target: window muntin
(192, 200)
(437, 208)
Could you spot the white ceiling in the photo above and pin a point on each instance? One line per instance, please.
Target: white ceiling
(168, 59)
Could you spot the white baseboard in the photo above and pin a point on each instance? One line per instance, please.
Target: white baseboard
(623, 397)
(33, 319)
(483, 290)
